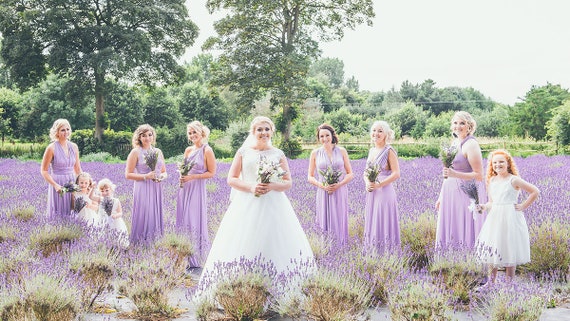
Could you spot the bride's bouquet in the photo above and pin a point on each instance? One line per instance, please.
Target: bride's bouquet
(185, 167)
(268, 171)
(470, 188)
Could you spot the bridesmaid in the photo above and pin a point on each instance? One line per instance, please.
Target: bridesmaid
(381, 225)
(147, 220)
(63, 156)
(191, 205)
(455, 224)
(331, 199)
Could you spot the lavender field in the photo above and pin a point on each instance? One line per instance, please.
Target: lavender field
(22, 188)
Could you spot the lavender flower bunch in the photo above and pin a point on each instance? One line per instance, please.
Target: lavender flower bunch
(69, 187)
(107, 204)
(268, 171)
(447, 154)
(151, 158)
(472, 190)
(79, 204)
(185, 167)
(330, 175)
(372, 171)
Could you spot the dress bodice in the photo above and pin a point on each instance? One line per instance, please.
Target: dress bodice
(250, 161)
(381, 159)
(503, 192)
(460, 162)
(62, 162)
(197, 156)
(323, 161)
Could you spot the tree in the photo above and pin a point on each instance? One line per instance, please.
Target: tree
(90, 40)
(9, 111)
(196, 102)
(532, 115)
(331, 68)
(160, 109)
(559, 125)
(124, 107)
(267, 46)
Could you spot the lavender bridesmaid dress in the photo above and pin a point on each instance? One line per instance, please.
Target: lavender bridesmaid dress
(455, 224)
(62, 172)
(381, 222)
(332, 209)
(147, 222)
(191, 208)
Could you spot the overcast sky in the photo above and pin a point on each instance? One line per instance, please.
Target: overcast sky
(499, 47)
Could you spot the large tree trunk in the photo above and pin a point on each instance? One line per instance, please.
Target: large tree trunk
(99, 107)
(287, 118)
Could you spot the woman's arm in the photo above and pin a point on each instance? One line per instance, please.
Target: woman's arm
(77, 166)
(131, 165)
(46, 160)
(472, 152)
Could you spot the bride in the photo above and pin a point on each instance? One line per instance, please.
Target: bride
(260, 222)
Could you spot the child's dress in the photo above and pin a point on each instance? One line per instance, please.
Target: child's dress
(117, 224)
(504, 239)
(83, 208)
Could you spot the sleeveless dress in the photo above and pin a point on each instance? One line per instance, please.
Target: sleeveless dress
(504, 239)
(88, 214)
(455, 223)
(62, 172)
(191, 208)
(332, 209)
(253, 227)
(381, 222)
(115, 224)
(147, 221)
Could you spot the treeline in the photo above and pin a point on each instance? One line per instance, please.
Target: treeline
(421, 111)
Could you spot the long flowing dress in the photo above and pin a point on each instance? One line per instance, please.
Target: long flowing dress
(504, 239)
(456, 226)
(115, 224)
(332, 209)
(62, 172)
(191, 207)
(381, 219)
(87, 213)
(264, 226)
(147, 220)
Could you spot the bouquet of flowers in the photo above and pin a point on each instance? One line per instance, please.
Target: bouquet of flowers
(470, 188)
(151, 158)
(372, 171)
(268, 170)
(69, 187)
(107, 204)
(447, 154)
(185, 167)
(330, 175)
(79, 204)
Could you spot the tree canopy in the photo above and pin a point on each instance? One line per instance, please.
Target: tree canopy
(90, 40)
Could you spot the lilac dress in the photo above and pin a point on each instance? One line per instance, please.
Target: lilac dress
(332, 209)
(455, 224)
(62, 172)
(147, 222)
(191, 207)
(381, 223)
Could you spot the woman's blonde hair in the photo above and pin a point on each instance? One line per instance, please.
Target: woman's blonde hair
(386, 128)
(258, 120)
(200, 129)
(141, 130)
(511, 166)
(53, 131)
(469, 120)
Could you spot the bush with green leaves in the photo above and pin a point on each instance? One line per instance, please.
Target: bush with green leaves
(418, 239)
(53, 238)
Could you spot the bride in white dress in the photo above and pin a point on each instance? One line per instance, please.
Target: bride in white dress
(260, 221)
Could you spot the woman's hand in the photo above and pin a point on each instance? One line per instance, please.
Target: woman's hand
(260, 189)
(447, 172)
(370, 186)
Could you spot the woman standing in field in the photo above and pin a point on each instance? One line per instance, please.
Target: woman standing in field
(191, 206)
(145, 166)
(63, 156)
(381, 222)
(456, 225)
(504, 239)
(330, 171)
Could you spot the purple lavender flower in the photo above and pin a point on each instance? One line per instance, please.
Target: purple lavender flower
(107, 204)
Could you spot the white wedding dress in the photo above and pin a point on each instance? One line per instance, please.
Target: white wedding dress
(264, 226)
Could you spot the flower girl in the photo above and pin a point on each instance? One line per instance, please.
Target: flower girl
(110, 210)
(83, 206)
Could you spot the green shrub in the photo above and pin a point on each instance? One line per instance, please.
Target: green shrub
(417, 299)
(51, 298)
(291, 147)
(549, 251)
(97, 269)
(420, 248)
(245, 296)
(51, 238)
(117, 144)
(513, 302)
(24, 212)
(179, 246)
